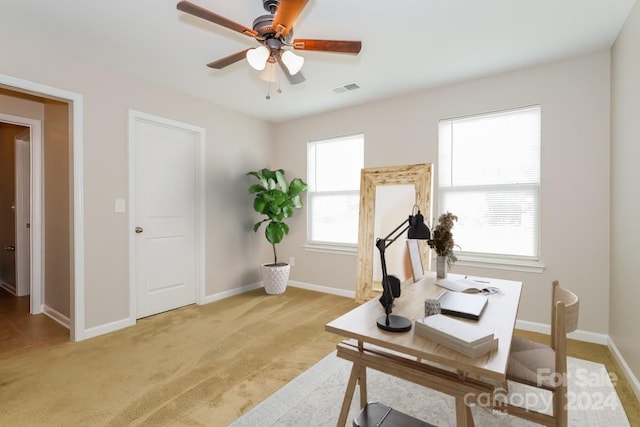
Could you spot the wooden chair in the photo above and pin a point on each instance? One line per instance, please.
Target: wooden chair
(543, 366)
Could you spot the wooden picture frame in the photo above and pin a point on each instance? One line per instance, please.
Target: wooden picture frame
(420, 176)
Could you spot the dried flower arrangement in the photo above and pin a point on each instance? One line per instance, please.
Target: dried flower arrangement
(442, 238)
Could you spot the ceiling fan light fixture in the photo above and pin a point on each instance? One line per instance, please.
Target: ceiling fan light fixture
(269, 73)
(257, 57)
(292, 61)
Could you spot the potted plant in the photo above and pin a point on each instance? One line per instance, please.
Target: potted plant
(442, 242)
(275, 198)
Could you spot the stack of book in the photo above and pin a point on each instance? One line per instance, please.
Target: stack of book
(463, 337)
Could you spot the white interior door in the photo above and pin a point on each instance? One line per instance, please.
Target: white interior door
(165, 215)
(32, 212)
(23, 213)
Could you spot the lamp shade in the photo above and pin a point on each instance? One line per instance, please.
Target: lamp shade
(292, 61)
(257, 57)
(269, 73)
(417, 228)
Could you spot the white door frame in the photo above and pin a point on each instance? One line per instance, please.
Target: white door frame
(23, 214)
(37, 223)
(75, 101)
(200, 229)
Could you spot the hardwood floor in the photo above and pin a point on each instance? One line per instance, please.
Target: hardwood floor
(21, 331)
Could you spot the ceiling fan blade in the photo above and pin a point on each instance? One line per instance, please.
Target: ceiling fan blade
(293, 79)
(342, 46)
(202, 13)
(228, 60)
(287, 14)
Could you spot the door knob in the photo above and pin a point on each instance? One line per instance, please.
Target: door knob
(139, 230)
(10, 248)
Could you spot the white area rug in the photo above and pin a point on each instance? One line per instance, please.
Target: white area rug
(314, 398)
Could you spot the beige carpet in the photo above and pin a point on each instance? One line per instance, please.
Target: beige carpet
(315, 397)
(200, 365)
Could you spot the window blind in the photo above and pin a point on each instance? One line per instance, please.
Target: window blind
(333, 195)
(489, 176)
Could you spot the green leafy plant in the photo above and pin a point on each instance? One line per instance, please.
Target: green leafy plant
(276, 199)
(442, 238)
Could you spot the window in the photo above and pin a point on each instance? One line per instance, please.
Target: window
(333, 196)
(489, 176)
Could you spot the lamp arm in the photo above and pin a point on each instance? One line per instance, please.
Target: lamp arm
(389, 239)
(386, 299)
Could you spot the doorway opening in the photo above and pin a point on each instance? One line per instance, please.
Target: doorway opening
(62, 213)
(14, 140)
(24, 316)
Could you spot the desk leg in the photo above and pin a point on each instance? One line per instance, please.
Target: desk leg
(358, 375)
(362, 381)
(464, 418)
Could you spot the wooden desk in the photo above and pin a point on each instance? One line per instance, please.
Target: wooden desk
(420, 360)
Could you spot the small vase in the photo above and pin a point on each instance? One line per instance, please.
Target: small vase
(441, 267)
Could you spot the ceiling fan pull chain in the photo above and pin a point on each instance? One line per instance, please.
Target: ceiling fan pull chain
(278, 79)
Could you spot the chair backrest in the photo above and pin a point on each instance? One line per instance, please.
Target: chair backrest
(569, 317)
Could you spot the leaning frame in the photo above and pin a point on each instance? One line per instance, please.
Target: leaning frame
(418, 175)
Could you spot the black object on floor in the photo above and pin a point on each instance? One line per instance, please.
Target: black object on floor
(377, 414)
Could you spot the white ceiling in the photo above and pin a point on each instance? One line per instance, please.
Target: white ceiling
(407, 44)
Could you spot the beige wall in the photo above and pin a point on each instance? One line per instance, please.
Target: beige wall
(21, 105)
(574, 95)
(236, 143)
(57, 221)
(625, 204)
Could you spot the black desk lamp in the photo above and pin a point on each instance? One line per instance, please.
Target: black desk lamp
(417, 229)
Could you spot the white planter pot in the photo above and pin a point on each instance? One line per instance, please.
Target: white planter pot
(275, 278)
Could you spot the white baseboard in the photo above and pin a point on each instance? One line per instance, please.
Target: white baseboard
(108, 327)
(543, 328)
(4, 285)
(633, 380)
(57, 316)
(324, 289)
(232, 292)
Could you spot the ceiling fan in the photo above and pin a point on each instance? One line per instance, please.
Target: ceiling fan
(274, 32)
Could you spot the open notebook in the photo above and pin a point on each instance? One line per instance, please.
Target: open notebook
(461, 304)
(469, 286)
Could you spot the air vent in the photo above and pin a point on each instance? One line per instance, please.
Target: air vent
(345, 88)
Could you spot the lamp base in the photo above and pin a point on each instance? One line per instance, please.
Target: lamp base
(396, 323)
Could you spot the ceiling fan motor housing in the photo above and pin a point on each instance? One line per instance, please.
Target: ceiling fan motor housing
(263, 25)
(270, 5)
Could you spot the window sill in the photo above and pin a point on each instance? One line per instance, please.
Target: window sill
(502, 264)
(332, 249)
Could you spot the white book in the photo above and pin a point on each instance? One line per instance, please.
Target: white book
(455, 330)
(459, 336)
